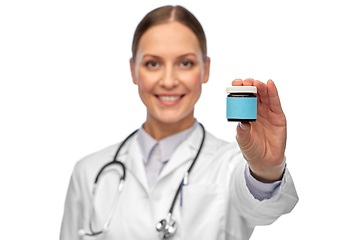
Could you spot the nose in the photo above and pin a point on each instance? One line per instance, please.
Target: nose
(169, 79)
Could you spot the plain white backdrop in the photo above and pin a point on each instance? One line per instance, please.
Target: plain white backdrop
(66, 91)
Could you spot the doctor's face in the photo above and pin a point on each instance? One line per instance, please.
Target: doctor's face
(169, 70)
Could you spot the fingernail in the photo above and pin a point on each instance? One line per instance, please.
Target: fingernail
(241, 126)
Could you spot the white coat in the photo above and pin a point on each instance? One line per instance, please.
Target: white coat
(216, 204)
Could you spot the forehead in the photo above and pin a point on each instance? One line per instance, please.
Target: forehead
(168, 38)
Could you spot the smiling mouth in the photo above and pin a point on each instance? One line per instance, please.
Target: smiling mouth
(169, 98)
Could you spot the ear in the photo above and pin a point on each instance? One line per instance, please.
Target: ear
(207, 70)
(132, 69)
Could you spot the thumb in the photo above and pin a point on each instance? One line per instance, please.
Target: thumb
(243, 134)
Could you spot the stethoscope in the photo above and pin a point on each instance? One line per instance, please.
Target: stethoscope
(166, 227)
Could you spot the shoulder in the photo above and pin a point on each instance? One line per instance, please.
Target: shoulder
(99, 155)
(223, 152)
(217, 160)
(90, 164)
(213, 145)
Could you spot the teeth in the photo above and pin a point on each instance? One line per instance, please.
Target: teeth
(169, 98)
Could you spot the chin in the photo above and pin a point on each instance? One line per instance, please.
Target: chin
(173, 117)
(170, 119)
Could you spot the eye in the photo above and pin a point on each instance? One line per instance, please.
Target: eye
(152, 64)
(186, 64)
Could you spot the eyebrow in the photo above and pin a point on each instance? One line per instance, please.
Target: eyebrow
(187, 55)
(150, 55)
(184, 55)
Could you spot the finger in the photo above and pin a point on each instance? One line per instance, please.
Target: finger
(262, 92)
(243, 134)
(237, 82)
(249, 82)
(274, 99)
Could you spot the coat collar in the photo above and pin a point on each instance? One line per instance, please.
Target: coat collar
(167, 146)
(184, 153)
(132, 157)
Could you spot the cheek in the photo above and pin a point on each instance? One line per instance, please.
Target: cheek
(146, 81)
(193, 82)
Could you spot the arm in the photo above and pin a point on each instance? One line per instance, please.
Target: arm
(258, 189)
(256, 212)
(263, 142)
(71, 222)
(263, 146)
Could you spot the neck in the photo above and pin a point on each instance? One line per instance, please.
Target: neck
(159, 130)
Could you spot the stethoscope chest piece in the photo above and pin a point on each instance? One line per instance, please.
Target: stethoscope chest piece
(166, 227)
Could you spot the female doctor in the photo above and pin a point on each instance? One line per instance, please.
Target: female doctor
(178, 181)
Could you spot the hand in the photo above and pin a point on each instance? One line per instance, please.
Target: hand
(263, 142)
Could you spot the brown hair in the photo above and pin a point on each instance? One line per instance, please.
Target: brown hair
(166, 14)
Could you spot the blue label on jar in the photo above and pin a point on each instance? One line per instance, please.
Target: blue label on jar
(241, 107)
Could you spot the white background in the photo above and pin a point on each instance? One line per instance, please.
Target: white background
(66, 91)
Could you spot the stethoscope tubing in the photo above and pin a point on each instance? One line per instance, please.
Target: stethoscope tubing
(188, 171)
(115, 161)
(122, 180)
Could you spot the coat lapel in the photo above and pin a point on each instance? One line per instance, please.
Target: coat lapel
(184, 153)
(133, 160)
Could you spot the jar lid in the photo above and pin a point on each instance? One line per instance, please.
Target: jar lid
(241, 89)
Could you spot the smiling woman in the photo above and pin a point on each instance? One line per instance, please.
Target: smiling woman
(169, 70)
(221, 198)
